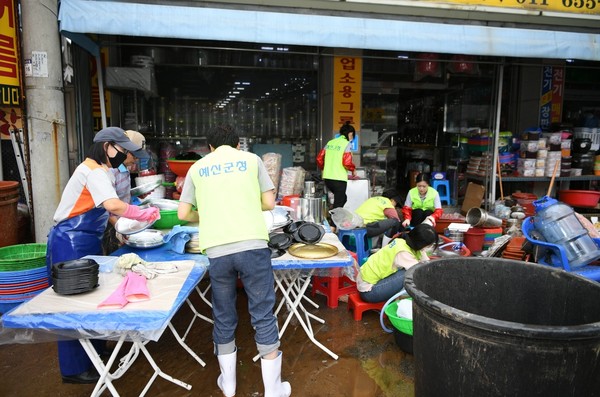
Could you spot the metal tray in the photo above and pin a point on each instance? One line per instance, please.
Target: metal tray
(149, 238)
(313, 251)
(145, 188)
(127, 226)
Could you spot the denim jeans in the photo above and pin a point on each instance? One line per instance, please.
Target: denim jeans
(385, 288)
(255, 271)
(389, 226)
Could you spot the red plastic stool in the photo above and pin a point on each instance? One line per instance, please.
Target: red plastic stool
(359, 306)
(333, 287)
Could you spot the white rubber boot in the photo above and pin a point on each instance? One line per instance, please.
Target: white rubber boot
(227, 379)
(271, 374)
(385, 240)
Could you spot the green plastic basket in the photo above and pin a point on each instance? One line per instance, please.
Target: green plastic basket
(22, 257)
(168, 219)
(402, 324)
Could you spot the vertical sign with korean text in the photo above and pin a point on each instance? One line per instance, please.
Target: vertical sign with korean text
(558, 86)
(96, 109)
(546, 98)
(551, 100)
(347, 94)
(10, 75)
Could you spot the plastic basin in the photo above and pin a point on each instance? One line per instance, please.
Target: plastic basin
(180, 167)
(579, 198)
(168, 219)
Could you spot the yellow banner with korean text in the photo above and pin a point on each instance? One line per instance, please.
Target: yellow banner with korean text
(347, 91)
(11, 113)
(568, 6)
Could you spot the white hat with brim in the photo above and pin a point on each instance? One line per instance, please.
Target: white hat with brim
(117, 135)
(138, 139)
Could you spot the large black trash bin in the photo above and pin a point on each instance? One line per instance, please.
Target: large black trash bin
(495, 327)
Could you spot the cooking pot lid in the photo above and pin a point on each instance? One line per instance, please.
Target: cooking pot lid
(280, 240)
(309, 233)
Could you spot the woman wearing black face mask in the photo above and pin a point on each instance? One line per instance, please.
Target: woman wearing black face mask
(79, 223)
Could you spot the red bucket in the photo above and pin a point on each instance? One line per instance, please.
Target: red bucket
(474, 238)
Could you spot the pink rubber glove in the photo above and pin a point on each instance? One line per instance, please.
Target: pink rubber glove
(144, 215)
(136, 289)
(117, 299)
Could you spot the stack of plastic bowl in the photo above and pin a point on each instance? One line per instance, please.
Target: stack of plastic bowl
(23, 274)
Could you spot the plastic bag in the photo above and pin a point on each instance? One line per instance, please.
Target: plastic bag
(345, 220)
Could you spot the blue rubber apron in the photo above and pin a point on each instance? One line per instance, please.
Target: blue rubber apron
(72, 239)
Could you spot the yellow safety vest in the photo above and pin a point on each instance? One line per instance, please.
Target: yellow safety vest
(228, 197)
(427, 204)
(372, 209)
(381, 264)
(334, 154)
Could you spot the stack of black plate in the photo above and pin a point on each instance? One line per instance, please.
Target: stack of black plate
(74, 277)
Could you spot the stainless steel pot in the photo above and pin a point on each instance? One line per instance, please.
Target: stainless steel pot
(311, 210)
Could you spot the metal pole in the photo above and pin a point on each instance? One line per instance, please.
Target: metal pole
(46, 132)
(496, 132)
(101, 90)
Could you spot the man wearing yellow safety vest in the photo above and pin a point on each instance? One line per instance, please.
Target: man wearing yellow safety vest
(231, 188)
(422, 204)
(335, 159)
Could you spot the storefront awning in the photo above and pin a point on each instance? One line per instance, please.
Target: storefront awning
(201, 23)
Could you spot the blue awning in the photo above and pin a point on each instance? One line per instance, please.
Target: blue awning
(202, 23)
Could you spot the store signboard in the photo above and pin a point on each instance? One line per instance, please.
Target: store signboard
(546, 98)
(551, 99)
(10, 74)
(96, 109)
(568, 6)
(347, 93)
(558, 86)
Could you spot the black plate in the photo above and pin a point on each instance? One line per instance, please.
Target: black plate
(75, 264)
(292, 227)
(309, 233)
(275, 253)
(280, 241)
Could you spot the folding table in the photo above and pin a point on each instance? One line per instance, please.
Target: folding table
(292, 278)
(50, 316)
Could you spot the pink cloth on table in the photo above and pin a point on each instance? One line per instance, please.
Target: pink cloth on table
(133, 288)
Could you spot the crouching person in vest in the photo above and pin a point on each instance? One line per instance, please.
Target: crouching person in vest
(380, 217)
(422, 204)
(382, 275)
(231, 187)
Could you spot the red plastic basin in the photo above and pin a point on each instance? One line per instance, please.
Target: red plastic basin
(579, 198)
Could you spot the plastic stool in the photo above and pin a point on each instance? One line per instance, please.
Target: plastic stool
(445, 192)
(356, 240)
(359, 306)
(334, 286)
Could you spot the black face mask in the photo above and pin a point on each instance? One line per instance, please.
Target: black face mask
(116, 161)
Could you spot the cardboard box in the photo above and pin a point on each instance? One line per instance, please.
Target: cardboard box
(473, 197)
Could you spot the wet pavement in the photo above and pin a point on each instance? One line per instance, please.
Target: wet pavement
(370, 363)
